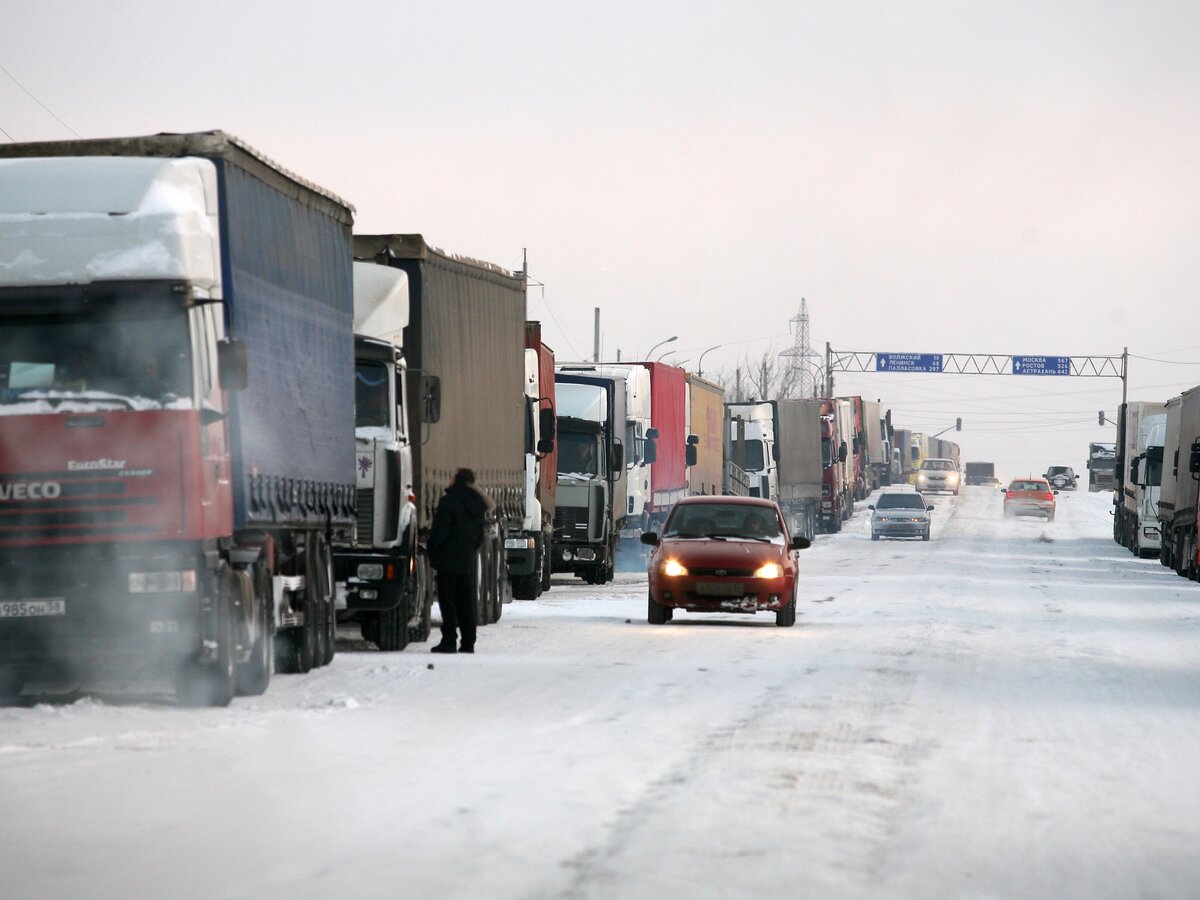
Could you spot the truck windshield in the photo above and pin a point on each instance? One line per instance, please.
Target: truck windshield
(754, 454)
(370, 395)
(577, 453)
(111, 358)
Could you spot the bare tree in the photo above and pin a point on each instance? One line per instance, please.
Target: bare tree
(765, 377)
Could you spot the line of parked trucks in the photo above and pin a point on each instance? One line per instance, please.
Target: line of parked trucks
(1156, 472)
(226, 421)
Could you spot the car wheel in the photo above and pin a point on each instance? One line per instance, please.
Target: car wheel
(656, 614)
(786, 617)
(874, 536)
(1050, 516)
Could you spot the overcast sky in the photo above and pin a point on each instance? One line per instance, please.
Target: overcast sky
(932, 177)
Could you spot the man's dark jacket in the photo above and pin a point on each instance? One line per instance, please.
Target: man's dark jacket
(457, 531)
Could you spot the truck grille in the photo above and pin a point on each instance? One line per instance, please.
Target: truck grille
(571, 523)
(364, 529)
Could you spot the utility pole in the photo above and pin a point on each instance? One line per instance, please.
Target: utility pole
(737, 383)
(596, 338)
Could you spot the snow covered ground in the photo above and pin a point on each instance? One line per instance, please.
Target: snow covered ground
(1009, 710)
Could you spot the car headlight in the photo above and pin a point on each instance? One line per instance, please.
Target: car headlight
(769, 570)
(673, 569)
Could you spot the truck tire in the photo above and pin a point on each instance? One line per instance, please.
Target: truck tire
(254, 675)
(655, 613)
(212, 684)
(525, 587)
(419, 625)
(393, 626)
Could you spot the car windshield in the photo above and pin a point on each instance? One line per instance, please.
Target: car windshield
(1029, 486)
(900, 501)
(1058, 470)
(937, 465)
(723, 520)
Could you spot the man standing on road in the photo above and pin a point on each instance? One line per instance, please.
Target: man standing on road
(454, 541)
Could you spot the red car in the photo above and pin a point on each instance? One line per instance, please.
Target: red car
(1029, 497)
(724, 554)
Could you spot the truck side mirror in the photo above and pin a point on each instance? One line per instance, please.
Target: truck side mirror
(1133, 472)
(775, 452)
(548, 429)
(1194, 462)
(842, 452)
(652, 434)
(616, 457)
(650, 451)
(431, 393)
(689, 453)
(232, 365)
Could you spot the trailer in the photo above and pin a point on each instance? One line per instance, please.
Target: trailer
(706, 433)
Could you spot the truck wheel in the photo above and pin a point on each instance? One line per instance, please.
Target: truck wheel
(393, 626)
(254, 675)
(656, 614)
(525, 587)
(547, 565)
(213, 684)
(419, 625)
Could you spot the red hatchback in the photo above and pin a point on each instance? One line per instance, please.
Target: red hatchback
(1029, 497)
(724, 554)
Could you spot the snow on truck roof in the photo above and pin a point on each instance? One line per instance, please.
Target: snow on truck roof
(205, 144)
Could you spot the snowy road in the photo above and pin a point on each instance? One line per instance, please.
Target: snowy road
(1009, 710)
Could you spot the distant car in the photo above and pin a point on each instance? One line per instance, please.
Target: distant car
(900, 514)
(1061, 477)
(1029, 497)
(723, 554)
(939, 475)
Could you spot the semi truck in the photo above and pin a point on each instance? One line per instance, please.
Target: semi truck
(177, 383)
(591, 504)
(669, 425)
(529, 552)
(1100, 463)
(466, 405)
(706, 435)
(1137, 476)
(837, 492)
(980, 473)
(902, 468)
(781, 444)
(375, 565)
(638, 443)
(1178, 489)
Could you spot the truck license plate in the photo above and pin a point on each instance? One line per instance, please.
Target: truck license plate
(720, 588)
(42, 606)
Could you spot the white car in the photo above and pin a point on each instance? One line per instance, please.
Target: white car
(939, 475)
(900, 514)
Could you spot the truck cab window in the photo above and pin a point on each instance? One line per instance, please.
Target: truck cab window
(371, 395)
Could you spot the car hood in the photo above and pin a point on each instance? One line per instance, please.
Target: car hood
(731, 554)
(901, 513)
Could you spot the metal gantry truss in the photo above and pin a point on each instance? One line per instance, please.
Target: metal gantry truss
(983, 364)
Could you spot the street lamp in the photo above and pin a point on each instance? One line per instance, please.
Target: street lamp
(650, 355)
(700, 365)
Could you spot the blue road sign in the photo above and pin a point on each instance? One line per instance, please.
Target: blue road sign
(908, 362)
(1041, 365)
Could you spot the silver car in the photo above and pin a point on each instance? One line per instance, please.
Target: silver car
(900, 514)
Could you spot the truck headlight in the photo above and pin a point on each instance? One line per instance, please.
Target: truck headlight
(518, 543)
(769, 570)
(672, 568)
(162, 582)
(369, 571)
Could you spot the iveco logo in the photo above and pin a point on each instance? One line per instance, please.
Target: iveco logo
(30, 490)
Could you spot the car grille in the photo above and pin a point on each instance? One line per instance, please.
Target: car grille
(711, 572)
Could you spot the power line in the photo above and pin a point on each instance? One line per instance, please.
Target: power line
(39, 103)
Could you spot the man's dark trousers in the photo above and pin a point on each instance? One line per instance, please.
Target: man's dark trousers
(456, 600)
